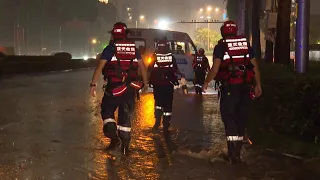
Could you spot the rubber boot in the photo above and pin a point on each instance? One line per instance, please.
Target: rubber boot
(232, 153)
(114, 143)
(110, 130)
(197, 89)
(125, 147)
(200, 90)
(158, 114)
(166, 125)
(238, 151)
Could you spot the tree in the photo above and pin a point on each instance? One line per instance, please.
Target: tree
(315, 29)
(201, 36)
(256, 44)
(108, 12)
(282, 46)
(84, 10)
(253, 16)
(232, 9)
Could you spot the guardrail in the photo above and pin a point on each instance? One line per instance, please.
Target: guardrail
(17, 65)
(313, 55)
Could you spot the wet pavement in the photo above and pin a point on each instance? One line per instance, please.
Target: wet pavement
(50, 128)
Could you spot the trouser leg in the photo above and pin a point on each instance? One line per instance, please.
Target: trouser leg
(167, 110)
(242, 112)
(158, 111)
(158, 115)
(200, 77)
(228, 107)
(197, 85)
(126, 111)
(108, 106)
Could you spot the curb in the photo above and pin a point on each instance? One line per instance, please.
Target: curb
(43, 73)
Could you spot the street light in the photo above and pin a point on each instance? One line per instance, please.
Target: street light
(217, 9)
(209, 8)
(141, 17)
(104, 1)
(93, 42)
(163, 24)
(201, 9)
(208, 17)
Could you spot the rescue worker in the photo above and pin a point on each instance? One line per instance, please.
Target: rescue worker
(179, 49)
(163, 79)
(237, 71)
(200, 67)
(119, 65)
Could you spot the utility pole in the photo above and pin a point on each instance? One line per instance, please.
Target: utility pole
(302, 36)
(18, 35)
(208, 37)
(60, 38)
(270, 33)
(41, 30)
(27, 31)
(241, 17)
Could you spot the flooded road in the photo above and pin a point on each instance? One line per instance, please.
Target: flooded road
(50, 128)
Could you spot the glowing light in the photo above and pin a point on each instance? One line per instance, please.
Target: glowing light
(85, 58)
(209, 8)
(104, 1)
(217, 9)
(201, 9)
(208, 17)
(94, 41)
(142, 17)
(201, 17)
(163, 25)
(149, 60)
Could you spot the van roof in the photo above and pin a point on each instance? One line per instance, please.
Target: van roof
(157, 33)
(158, 30)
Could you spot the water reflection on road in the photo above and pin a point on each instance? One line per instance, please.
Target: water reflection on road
(50, 128)
(150, 153)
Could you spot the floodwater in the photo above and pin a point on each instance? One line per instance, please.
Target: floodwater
(50, 128)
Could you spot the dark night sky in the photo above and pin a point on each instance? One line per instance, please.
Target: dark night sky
(175, 10)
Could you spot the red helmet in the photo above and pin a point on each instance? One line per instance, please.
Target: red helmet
(229, 28)
(201, 51)
(119, 31)
(163, 46)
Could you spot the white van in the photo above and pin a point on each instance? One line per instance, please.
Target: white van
(145, 40)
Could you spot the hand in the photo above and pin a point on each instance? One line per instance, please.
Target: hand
(205, 87)
(93, 91)
(145, 88)
(257, 90)
(183, 81)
